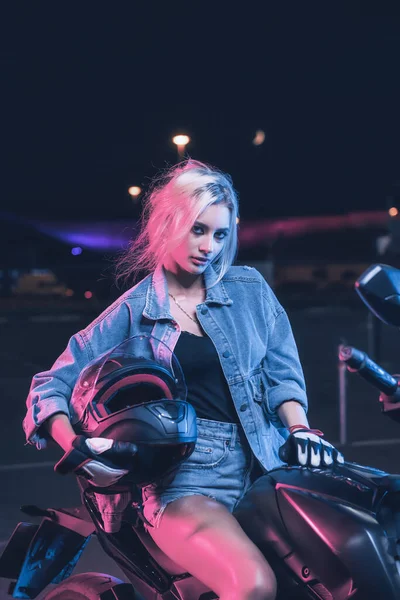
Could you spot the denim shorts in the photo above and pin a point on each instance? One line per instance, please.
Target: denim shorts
(221, 467)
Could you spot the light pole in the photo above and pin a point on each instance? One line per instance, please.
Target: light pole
(181, 142)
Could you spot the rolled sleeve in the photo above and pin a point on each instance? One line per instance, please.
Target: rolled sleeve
(50, 391)
(282, 371)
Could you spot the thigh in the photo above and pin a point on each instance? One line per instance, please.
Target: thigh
(217, 469)
(203, 537)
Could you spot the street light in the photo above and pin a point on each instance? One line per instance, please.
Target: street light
(134, 191)
(181, 142)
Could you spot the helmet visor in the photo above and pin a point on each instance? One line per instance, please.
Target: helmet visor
(133, 353)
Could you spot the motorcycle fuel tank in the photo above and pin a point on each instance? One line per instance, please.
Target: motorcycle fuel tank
(325, 529)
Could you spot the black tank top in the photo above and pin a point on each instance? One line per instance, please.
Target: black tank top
(208, 391)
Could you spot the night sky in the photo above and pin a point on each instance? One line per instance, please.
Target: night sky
(92, 94)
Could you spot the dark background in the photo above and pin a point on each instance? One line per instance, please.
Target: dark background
(92, 95)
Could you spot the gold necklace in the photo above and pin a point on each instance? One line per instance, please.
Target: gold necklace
(182, 309)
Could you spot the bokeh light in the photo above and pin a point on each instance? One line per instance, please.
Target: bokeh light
(181, 139)
(88, 294)
(134, 191)
(259, 137)
(76, 251)
(393, 211)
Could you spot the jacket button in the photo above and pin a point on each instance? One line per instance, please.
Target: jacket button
(204, 310)
(226, 354)
(244, 407)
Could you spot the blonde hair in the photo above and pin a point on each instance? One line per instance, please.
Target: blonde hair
(175, 200)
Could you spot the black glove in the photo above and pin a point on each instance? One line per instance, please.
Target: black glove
(305, 447)
(103, 462)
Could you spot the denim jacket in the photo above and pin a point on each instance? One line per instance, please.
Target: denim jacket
(242, 316)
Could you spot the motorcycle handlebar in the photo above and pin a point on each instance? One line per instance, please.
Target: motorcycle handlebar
(359, 362)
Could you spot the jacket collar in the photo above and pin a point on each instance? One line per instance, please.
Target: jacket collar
(157, 300)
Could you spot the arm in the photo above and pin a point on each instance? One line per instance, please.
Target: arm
(304, 446)
(89, 457)
(292, 413)
(51, 390)
(60, 429)
(282, 373)
(286, 392)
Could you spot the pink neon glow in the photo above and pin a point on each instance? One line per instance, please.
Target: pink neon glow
(281, 487)
(260, 231)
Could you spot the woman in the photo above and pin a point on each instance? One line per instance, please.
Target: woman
(234, 342)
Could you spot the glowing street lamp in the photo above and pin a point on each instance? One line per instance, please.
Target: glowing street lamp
(134, 191)
(181, 142)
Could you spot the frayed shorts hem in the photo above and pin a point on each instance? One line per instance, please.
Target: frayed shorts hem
(158, 513)
(219, 468)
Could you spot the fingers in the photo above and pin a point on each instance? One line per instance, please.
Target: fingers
(308, 449)
(98, 445)
(339, 458)
(111, 449)
(124, 449)
(312, 451)
(331, 455)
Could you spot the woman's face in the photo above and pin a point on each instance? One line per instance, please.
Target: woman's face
(204, 242)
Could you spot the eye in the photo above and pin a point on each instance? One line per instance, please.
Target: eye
(220, 235)
(197, 229)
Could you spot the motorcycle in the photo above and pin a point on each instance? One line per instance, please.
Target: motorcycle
(329, 534)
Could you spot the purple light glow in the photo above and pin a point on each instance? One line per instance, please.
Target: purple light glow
(115, 236)
(76, 251)
(99, 236)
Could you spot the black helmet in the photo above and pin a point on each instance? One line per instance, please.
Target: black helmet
(136, 393)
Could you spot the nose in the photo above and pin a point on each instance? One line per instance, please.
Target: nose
(207, 244)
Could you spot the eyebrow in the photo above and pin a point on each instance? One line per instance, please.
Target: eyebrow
(225, 229)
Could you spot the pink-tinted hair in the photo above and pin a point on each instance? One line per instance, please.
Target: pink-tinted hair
(175, 200)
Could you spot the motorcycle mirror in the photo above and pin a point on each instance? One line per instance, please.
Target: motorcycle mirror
(379, 289)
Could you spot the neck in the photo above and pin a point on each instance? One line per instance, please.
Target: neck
(181, 282)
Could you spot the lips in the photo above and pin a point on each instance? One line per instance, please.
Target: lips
(201, 260)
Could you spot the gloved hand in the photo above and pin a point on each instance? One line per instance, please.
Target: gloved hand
(305, 447)
(100, 460)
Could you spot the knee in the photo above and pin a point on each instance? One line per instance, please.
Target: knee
(261, 584)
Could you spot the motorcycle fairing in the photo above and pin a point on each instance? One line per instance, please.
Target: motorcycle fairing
(327, 527)
(14, 553)
(126, 549)
(47, 553)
